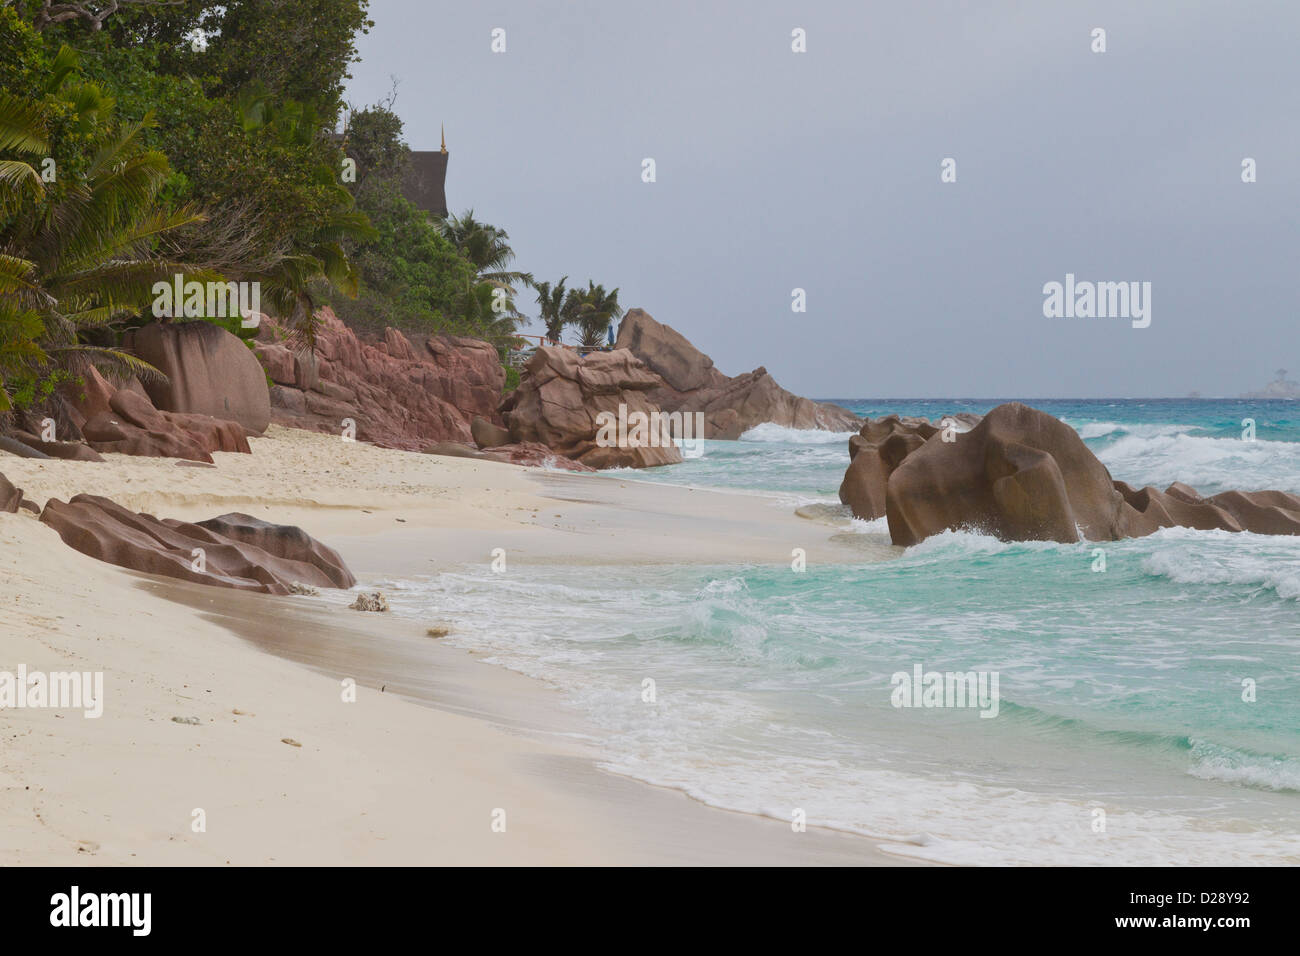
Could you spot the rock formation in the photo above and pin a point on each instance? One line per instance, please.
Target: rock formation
(66, 450)
(1263, 512)
(690, 383)
(561, 398)
(123, 420)
(10, 496)
(397, 394)
(874, 453)
(1022, 475)
(237, 551)
(530, 454)
(209, 372)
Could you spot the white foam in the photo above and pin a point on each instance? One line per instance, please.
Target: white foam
(771, 432)
(1248, 561)
(1209, 465)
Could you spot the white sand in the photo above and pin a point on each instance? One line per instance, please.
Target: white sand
(384, 780)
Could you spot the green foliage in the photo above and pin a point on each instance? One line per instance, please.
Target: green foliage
(80, 251)
(591, 310)
(419, 275)
(550, 303)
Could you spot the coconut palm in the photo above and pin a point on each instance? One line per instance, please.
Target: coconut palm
(550, 301)
(486, 248)
(591, 310)
(80, 254)
(489, 311)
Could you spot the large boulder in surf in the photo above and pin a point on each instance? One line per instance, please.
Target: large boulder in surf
(209, 372)
(879, 448)
(233, 551)
(567, 402)
(689, 383)
(1020, 475)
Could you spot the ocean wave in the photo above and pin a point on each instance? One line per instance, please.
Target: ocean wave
(1101, 429)
(771, 432)
(1243, 768)
(965, 542)
(1250, 562)
(1209, 465)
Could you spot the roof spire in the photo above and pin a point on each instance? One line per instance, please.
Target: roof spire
(444, 137)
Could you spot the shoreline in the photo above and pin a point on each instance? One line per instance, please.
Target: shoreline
(123, 789)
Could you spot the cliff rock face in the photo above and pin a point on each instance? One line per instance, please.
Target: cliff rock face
(689, 383)
(238, 551)
(397, 394)
(562, 395)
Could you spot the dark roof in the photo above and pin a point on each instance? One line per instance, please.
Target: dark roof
(425, 181)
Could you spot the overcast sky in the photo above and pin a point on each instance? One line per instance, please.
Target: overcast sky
(821, 170)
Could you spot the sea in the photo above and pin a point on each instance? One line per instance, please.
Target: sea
(1148, 690)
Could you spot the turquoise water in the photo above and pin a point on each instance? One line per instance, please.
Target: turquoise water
(1145, 441)
(1120, 690)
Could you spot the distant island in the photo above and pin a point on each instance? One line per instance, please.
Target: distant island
(1280, 387)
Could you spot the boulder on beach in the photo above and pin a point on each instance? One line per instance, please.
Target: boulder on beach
(488, 434)
(528, 454)
(573, 404)
(233, 550)
(730, 406)
(11, 497)
(131, 425)
(209, 372)
(66, 450)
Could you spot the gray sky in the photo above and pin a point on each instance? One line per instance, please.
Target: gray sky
(821, 170)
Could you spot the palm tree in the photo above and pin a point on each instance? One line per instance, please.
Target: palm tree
(488, 313)
(591, 310)
(486, 248)
(79, 255)
(550, 301)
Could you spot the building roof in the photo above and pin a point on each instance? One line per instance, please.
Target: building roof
(425, 180)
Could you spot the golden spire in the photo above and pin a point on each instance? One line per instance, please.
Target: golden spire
(444, 138)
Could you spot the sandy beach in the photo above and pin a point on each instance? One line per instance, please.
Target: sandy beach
(436, 742)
